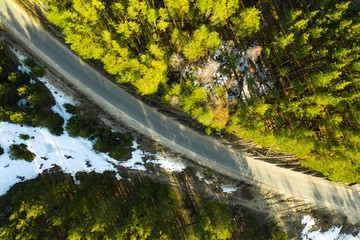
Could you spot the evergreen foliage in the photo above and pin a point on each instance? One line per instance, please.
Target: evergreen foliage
(35, 69)
(247, 23)
(84, 124)
(315, 93)
(101, 207)
(312, 49)
(135, 39)
(24, 102)
(20, 151)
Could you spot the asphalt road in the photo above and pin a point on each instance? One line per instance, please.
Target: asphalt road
(202, 149)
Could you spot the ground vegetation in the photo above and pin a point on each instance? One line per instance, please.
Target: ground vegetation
(24, 100)
(20, 152)
(86, 124)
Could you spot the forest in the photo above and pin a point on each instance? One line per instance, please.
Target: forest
(98, 206)
(298, 94)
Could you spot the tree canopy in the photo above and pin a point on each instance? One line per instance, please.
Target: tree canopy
(102, 207)
(134, 39)
(306, 64)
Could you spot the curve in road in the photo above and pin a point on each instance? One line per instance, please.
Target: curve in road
(202, 149)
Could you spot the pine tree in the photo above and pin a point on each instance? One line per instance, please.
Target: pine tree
(202, 42)
(247, 23)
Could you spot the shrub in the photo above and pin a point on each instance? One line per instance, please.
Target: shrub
(17, 117)
(35, 93)
(70, 108)
(101, 146)
(117, 152)
(80, 127)
(40, 98)
(35, 69)
(112, 142)
(1, 151)
(38, 71)
(87, 126)
(29, 62)
(21, 152)
(105, 139)
(24, 137)
(126, 139)
(54, 123)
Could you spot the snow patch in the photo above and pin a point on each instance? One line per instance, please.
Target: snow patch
(70, 154)
(202, 178)
(210, 181)
(118, 177)
(248, 78)
(168, 163)
(22, 102)
(21, 58)
(332, 234)
(228, 188)
(199, 175)
(24, 69)
(135, 162)
(60, 99)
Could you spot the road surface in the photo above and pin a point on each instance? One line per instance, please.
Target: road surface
(202, 149)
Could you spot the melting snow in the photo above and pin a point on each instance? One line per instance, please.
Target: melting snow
(249, 79)
(207, 181)
(135, 162)
(60, 99)
(228, 188)
(169, 164)
(332, 234)
(71, 155)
